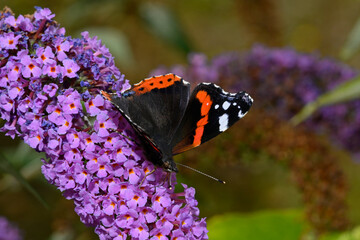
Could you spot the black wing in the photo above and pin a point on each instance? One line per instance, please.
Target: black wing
(210, 111)
(154, 107)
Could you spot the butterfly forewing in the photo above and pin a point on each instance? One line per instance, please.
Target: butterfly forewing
(210, 111)
(155, 107)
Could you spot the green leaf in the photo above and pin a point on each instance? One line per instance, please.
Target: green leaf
(352, 44)
(269, 225)
(117, 43)
(7, 167)
(163, 23)
(353, 234)
(343, 92)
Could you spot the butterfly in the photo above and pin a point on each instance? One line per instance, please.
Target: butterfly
(169, 119)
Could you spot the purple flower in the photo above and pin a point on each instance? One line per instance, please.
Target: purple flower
(11, 21)
(70, 68)
(178, 235)
(140, 231)
(70, 102)
(52, 70)
(15, 92)
(50, 89)
(50, 99)
(103, 124)
(14, 70)
(43, 14)
(127, 219)
(158, 235)
(8, 231)
(95, 105)
(45, 56)
(9, 41)
(61, 47)
(160, 201)
(30, 67)
(64, 124)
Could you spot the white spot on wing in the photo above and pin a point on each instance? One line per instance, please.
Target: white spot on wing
(185, 82)
(223, 122)
(226, 105)
(241, 114)
(216, 106)
(251, 99)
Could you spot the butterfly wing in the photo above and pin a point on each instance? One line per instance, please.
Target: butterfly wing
(210, 111)
(154, 108)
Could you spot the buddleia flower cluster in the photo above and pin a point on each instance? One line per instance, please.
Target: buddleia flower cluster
(284, 80)
(49, 97)
(8, 231)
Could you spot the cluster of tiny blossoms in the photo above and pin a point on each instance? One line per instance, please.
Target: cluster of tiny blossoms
(49, 97)
(8, 231)
(284, 80)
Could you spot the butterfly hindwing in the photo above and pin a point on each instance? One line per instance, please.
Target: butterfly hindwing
(210, 111)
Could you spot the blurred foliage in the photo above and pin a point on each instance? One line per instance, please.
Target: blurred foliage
(7, 168)
(344, 92)
(311, 159)
(352, 44)
(161, 22)
(353, 234)
(262, 20)
(270, 225)
(255, 157)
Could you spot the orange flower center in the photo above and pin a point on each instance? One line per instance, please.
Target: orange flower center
(31, 66)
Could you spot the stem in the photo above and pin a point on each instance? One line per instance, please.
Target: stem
(42, 24)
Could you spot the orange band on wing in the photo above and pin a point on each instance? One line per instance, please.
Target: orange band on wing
(197, 137)
(201, 95)
(203, 121)
(205, 100)
(155, 82)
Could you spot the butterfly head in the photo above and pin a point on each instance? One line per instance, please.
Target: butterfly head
(169, 164)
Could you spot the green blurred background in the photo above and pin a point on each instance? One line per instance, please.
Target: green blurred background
(260, 199)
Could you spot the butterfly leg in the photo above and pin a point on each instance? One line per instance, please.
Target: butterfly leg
(127, 137)
(151, 172)
(167, 179)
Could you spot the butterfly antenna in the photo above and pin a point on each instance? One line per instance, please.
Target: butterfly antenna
(207, 175)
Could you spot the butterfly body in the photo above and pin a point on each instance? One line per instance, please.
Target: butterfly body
(170, 120)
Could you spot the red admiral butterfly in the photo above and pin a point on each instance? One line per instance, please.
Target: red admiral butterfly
(169, 120)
